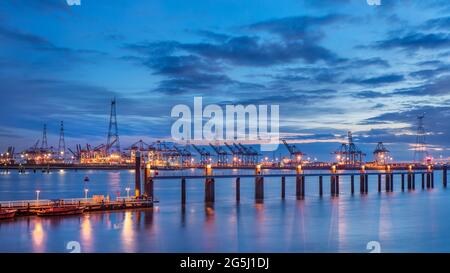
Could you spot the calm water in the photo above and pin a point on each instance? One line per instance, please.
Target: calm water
(401, 222)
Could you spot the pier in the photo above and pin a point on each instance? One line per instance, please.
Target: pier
(30, 207)
(302, 179)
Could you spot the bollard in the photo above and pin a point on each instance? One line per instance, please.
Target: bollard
(423, 181)
(283, 187)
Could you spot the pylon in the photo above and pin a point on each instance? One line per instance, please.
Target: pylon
(44, 145)
(113, 144)
(420, 150)
(62, 142)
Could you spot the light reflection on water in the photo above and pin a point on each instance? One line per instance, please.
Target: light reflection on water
(400, 221)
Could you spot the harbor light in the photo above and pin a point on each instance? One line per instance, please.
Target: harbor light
(258, 169)
(410, 168)
(363, 168)
(37, 195)
(86, 193)
(333, 168)
(299, 168)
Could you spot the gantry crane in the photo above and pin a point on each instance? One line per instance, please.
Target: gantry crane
(295, 154)
(205, 156)
(222, 155)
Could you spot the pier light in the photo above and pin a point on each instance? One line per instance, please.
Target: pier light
(258, 169)
(363, 168)
(333, 168)
(429, 168)
(208, 169)
(86, 193)
(128, 192)
(37, 195)
(299, 168)
(410, 168)
(388, 168)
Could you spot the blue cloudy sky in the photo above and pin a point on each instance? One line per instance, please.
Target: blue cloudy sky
(331, 65)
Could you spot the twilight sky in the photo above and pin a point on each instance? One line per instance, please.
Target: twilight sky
(331, 65)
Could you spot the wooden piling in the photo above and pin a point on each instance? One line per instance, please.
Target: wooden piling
(283, 187)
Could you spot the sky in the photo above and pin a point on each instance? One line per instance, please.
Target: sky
(331, 66)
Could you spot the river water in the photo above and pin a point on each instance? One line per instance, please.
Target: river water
(417, 221)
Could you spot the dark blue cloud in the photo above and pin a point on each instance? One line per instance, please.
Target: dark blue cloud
(415, 41)
(384, 79)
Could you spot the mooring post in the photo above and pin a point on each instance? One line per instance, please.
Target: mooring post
(429, 170)
(403, 182)
(183, 191)
(423, 181)
(337, 184)
(392, 182)
(148, 182)
(209, 185)
(366, 184)
(352, 184)
(333, 181)
(238, 189)
(320, 186)
(259, 185)
(137, 174)
(444, 176)
(388, 179)
(361, 184)
(283, 187)
(379, 182)
(432, 179)
(299, 183)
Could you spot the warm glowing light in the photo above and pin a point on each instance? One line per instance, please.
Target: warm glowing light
(363, 168)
